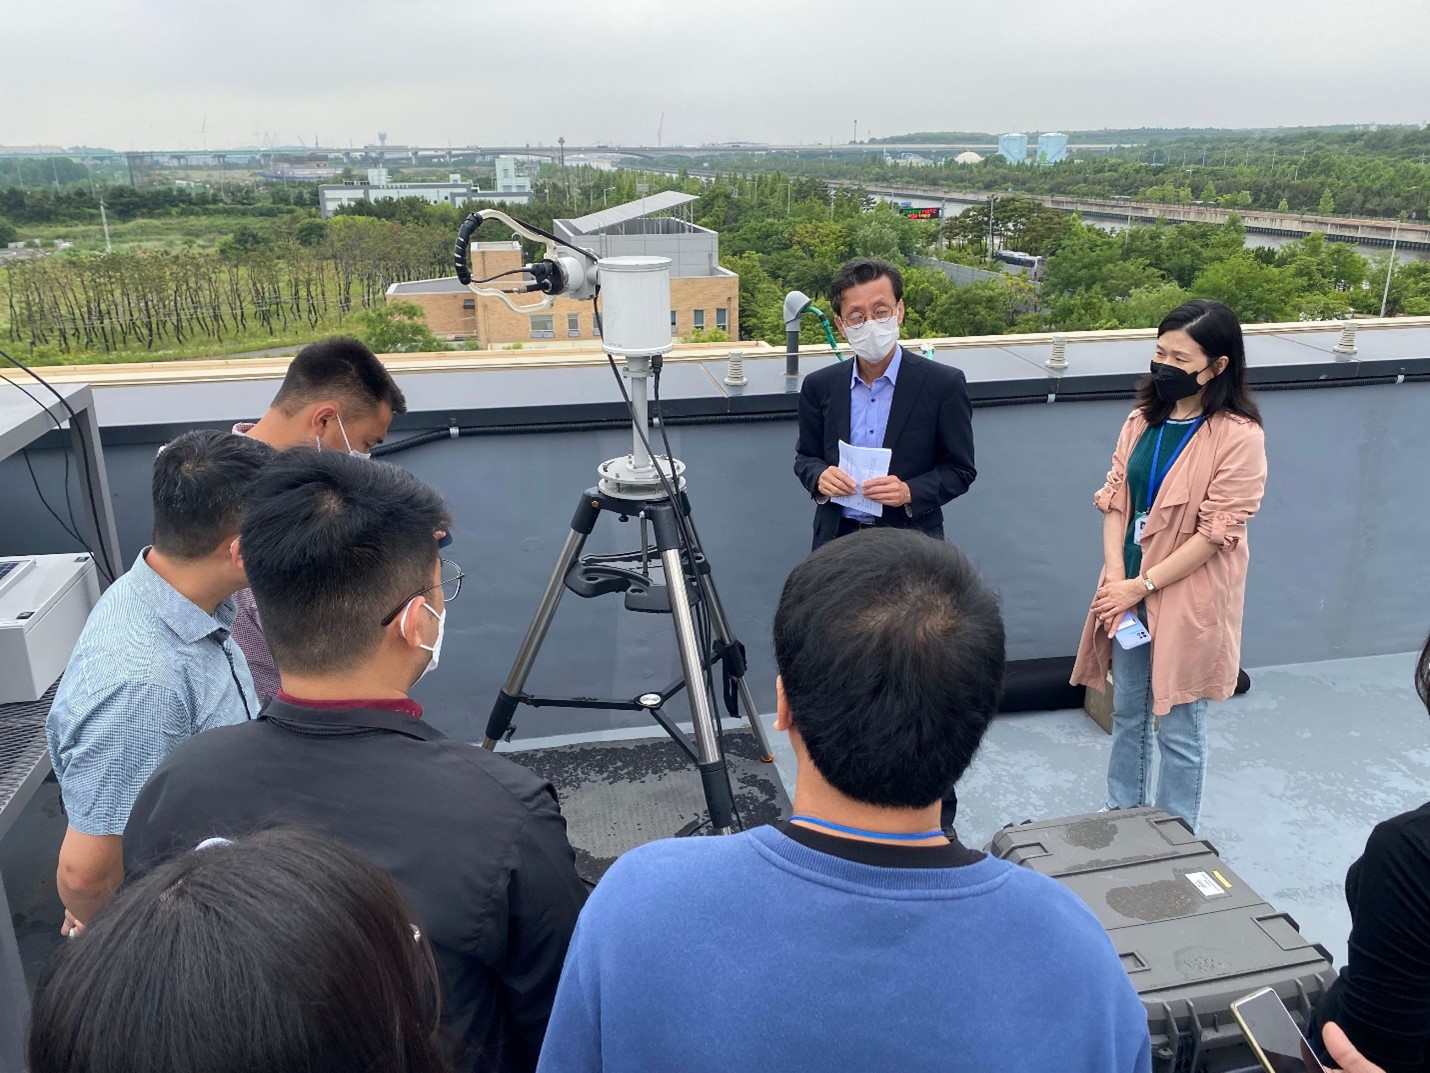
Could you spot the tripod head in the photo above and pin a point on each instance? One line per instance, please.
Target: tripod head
(634, 326)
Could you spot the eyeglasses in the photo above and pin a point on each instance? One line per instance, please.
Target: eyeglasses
(451, 586)
(881, 315)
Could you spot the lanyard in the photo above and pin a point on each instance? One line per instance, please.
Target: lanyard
(1155, 478)
(883, 835)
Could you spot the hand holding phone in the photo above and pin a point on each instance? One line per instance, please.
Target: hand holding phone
(1274, 1037)
(1130, 632)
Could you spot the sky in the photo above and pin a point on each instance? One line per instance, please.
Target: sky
(150, 74)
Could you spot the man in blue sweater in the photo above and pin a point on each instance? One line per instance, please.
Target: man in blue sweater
(855, 936)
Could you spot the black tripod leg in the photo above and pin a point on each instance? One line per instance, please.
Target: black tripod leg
(510, 696)
(726, 637)
(713, 773)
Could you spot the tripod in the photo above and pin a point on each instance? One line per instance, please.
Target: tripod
(640, 486)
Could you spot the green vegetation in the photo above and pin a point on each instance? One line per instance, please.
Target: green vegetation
(398, 328)
(1381, 173)
(199, 272)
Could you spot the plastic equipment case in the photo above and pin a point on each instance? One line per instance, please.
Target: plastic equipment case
(1191, 934)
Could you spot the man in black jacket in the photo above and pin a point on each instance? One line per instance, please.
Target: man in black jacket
(886, 397)
(344, 566)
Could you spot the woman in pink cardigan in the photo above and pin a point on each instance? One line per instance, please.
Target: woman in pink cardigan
(1188, 472)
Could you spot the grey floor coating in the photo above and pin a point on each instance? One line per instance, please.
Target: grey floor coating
(1301, 769)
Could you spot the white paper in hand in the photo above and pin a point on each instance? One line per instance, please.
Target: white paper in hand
(863, 464)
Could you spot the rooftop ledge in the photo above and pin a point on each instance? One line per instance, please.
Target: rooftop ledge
(218, 369)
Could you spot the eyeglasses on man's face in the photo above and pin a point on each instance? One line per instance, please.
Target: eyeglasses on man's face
(451, 586)
(881, 315)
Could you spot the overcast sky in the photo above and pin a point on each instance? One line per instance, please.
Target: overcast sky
(178, 73)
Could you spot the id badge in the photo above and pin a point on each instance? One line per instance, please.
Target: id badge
(1139, 522)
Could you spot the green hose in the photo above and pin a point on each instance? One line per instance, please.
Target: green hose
(828, 330)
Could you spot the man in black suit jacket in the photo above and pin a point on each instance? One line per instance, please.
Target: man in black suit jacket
(906, 402)
(886, 397)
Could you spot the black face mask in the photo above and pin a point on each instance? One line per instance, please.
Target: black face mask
(1173, 384)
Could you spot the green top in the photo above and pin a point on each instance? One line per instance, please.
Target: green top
(1139, 475)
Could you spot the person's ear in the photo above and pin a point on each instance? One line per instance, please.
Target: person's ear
(405, 624)
(899, 309)
(322, 415)
(235, 554)
(1218, 367)
(782, 712)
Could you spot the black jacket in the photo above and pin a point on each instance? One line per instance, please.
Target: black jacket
(1381, 1000)
(475, 842)
(930, 433)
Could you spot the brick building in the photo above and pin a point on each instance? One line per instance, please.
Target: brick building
(702, 294)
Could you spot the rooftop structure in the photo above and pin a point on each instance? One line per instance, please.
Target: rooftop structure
(704, 297)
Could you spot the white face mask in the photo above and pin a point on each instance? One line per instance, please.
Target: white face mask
(874, 339)
(436, 646)
(355, 454)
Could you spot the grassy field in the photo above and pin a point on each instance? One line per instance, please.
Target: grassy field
(155, 232)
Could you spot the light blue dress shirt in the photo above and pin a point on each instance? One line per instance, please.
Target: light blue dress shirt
(151, 669)
(869, 412)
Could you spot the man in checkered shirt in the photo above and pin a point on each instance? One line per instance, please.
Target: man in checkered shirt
(155, 663)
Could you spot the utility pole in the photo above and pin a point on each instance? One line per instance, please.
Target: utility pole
(856, 132)
(991, 200)
(1389, 268)
(561, 142)
(104, 219)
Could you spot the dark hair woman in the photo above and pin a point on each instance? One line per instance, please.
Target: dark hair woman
(1381, 1000)
(280, 952)
(1187, 474)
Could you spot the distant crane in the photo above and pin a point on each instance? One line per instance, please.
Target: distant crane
(660, 130)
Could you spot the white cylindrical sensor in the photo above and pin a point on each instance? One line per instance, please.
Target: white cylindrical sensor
(635, 305)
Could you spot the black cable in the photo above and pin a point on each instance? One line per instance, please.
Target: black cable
(45, 502)
(101, 558)
(73, 528)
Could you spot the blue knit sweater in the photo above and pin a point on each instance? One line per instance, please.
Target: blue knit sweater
(758, 953)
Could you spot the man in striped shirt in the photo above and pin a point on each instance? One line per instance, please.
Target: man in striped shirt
(155, 663)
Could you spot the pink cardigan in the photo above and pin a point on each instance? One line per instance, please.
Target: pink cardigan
(1213, 488)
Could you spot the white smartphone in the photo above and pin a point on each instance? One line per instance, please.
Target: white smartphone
(1274, 1037)
(1131, 632)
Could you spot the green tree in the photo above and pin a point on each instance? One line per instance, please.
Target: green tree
(8, 232)
(1208, 194)
(1144, 307)
(1258, 293)
(1327, 204)
(311, 232)
(398, 328)
(1283, 206)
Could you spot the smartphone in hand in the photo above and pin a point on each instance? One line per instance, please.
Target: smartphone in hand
(1273, 1035)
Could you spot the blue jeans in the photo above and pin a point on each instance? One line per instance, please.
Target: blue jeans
(1181, 739)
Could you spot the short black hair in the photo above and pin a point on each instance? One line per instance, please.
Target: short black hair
(1214, 328)
(342, 368)
(890, 650)
(281, 951)
(863, 270)
(331, 544)
(200, 480)
(1422, 675)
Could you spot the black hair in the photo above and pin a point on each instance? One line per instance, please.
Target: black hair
(863, 270)
(199, 484)
(890, 650)
(331, 544)
(1216, 330)
(1422, 675)
(279, 952)
(341, 368)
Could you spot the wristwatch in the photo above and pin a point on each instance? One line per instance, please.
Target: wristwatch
(1147, 583)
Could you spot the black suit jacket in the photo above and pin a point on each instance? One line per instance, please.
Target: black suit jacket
(930, 434)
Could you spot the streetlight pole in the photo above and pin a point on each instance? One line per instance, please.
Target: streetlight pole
(1389, 268)
(991, 200)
